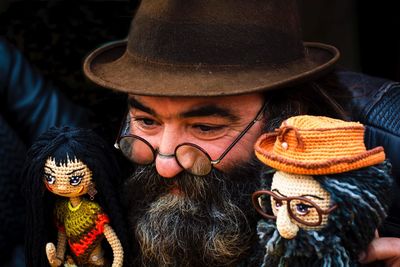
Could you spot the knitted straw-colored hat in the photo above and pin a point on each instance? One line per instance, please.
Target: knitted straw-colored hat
(316, 145)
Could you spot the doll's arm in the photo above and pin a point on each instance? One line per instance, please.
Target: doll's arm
(56, 256)
(115, 244)
(61, 243)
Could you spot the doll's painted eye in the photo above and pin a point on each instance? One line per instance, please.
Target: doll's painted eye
(278, 203)
(303, 209)
(75, 180)
(50, 179)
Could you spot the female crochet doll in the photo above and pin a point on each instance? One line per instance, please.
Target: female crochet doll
(70, 177)
(328, 193)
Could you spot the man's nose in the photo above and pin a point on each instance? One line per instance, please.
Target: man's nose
(286, 228)
(166, 164)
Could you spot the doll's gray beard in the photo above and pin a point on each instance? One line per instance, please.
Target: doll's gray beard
(309, 248)
(208, 224)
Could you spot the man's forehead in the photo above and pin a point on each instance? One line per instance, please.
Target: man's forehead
(231, 105)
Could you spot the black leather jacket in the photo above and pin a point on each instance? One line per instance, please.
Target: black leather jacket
(29, 103)
(375, 102)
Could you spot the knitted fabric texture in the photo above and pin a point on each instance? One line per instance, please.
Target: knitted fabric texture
(292, 185)
(317, 145)
(84, 227)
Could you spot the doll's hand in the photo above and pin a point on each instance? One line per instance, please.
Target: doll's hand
(385, 249)
(52, 255)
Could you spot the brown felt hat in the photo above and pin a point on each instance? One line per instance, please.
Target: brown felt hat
(210, 48)
(317, 145)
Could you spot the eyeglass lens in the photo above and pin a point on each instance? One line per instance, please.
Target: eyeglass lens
(188, 156)
(301, 210)
(193, 159)
(137, 150)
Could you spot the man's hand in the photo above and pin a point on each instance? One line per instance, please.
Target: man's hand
(52, 255)
(385, 249)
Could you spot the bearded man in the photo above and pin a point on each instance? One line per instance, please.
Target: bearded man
(204, 79)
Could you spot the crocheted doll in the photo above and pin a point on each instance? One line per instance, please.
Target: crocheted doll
(328, 195)
(65, 168)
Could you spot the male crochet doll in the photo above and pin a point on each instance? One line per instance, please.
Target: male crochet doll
(328, 194)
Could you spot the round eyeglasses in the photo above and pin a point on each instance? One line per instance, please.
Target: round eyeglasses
(189, 156)
(301, 209)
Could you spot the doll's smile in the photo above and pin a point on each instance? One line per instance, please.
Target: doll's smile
(67, 193)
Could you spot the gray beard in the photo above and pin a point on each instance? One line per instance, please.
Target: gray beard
(309, 248)
(208, 224)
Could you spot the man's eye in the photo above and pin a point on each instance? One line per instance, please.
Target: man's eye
(75, 180)
(144, 122)
(208, 128)
(303, 209)
(50, 179)
(147, 121)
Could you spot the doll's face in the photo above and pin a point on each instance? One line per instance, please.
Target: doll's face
(69, 180)
(291, 185)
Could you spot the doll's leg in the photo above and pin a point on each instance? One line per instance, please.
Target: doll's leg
(97, 256)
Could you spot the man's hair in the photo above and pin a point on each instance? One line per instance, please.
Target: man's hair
(63, 144)
(324, 97)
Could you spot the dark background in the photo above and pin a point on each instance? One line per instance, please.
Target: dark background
(55, 36)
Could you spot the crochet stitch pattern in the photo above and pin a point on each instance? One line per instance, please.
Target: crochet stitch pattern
(317, 145)
(84, 227)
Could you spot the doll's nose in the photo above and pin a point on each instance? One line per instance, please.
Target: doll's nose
(286, 228)
(62, 187)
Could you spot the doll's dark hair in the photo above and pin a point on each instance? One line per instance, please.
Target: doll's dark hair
(62, 144)
(363, 197)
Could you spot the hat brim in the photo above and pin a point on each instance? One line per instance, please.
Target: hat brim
(112, 67)
(264, 150)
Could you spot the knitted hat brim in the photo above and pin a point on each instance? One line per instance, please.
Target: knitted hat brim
(264, 150)
(111, 66)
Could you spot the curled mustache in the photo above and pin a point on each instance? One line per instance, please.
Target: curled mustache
(205, 224)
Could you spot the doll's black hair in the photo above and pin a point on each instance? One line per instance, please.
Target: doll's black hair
(62, 144)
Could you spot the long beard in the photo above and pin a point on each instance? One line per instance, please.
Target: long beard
(208, 222)
(308, 248)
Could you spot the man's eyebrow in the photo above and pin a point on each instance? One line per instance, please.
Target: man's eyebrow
(75, 171)
(133, 103)
(201, 111)
(210, 110)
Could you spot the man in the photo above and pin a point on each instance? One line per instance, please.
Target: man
(200, 77)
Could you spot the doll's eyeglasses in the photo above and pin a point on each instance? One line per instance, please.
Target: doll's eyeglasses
(189, 156)
(301, 209)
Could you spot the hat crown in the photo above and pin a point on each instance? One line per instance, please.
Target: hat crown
(216, 32)
(308, 122)
(320, 138)
(317, 145)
